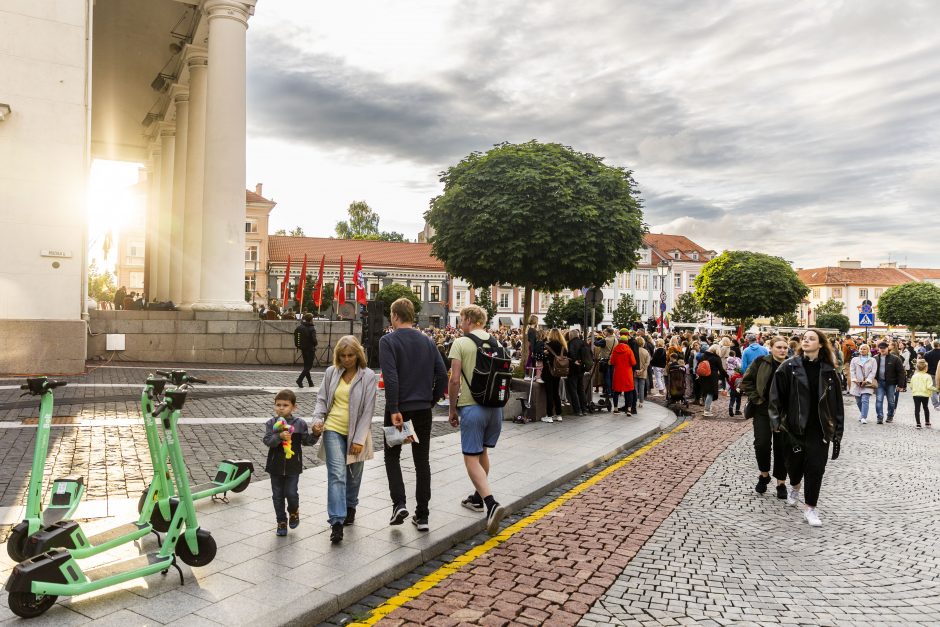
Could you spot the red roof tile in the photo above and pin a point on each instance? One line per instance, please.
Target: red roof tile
(832, 275)
(922, 274)
(662, 244)
(251, 196)
(374, 254)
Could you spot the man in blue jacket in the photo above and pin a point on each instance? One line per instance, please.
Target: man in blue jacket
(415, 379)
(752, 352)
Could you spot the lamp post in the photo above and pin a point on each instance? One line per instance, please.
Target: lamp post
(664, 267)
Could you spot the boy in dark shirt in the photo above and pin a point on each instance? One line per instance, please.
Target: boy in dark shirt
(285, 473)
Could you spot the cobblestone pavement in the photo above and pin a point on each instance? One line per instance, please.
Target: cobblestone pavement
(114, 459)
(551, 572)
(729, 555)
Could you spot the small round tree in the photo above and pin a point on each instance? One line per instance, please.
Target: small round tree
(484, 298)
(739, 285)
(915, 305)
(687, 308)
(390, 293)
(833, 321)
(626, 312)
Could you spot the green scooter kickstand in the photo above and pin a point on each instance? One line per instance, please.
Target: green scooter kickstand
(65, 493)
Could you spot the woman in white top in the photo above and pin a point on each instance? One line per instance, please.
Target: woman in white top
(863, 369)
(345, 406)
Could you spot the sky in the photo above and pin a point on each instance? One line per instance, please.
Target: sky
(808, 130)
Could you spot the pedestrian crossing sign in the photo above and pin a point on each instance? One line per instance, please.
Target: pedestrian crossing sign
(866, 320)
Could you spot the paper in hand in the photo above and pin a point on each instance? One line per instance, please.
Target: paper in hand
(394, 437)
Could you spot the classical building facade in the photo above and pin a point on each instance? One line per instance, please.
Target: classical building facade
(852, 284)
(257, 213)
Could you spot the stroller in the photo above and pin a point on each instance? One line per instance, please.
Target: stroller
(604, 401)
(675, 385)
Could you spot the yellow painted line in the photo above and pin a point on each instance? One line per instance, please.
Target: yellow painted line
(445, 571)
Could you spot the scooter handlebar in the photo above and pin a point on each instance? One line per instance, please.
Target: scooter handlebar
(195, 380)
(56, 384)
(162, 373)
(159, 410)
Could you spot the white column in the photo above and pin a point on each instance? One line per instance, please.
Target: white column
(153, 230)
(167, 141)
(177, 207)
(222, 279)
(195, 172)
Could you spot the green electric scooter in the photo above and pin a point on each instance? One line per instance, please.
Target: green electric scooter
(158, 502)
(68, 534)
(66, 492)
(35, 584)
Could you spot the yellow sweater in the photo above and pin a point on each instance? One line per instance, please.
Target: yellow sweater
(922, 384)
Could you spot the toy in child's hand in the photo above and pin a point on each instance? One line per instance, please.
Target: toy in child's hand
(281, 425)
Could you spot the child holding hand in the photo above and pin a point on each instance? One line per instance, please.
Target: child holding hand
(285, 471)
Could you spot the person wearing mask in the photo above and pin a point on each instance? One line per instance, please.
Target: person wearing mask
(806, 404)
(863, 372)
(753, 351)
(891, 379)
(555, 347)
(756, 386)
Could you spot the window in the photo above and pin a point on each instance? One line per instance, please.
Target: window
(418, 289)
(645, 256)
(251, 226)
(642, 282)
(460, 299)
(249, 283)
(136, 280)
(678, 280)
(435, 293)
(350, 292)
(837, 292)
(610, 305)
(691, 280)
(503, 300)
(879, 291)
(862, 293)
(676, 255)
(624, 278)
(815, 293)
(251, 253)
(373, 290)
(694, 256)
(641, 306)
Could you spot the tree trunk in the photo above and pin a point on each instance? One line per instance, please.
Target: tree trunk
(526, 312)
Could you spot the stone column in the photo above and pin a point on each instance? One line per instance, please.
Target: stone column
(167, 144)
(222, 276)
(153, 230)
(195, 172)
(179, 196)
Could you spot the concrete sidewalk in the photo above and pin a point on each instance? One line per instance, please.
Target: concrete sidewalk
(258, 578)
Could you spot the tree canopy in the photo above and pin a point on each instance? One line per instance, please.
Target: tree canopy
(508, 216)
(785, 320)
(101, 285)
(390, 293)
(626, 312)
(484, 298)
(831, 306)
(829, 320)
(739, 284)
(363, 223)
(687, 308)
(915, 305)
(564, 313)
(297, 231)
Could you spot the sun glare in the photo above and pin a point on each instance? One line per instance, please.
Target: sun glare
(115, 203)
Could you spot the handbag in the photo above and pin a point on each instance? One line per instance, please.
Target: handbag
(750, 409)
(560, 366)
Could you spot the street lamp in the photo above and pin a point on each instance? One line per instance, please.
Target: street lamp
(664, 268)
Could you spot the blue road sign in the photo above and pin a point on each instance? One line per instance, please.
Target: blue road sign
(866, 320)
(866, 307)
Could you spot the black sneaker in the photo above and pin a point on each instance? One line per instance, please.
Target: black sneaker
(473, 503)
(781, 491)
(890, 419)
(336, 535)
(420, 523)
(293, 520)
(493, 517)
(281, 529)
(762, 482)
(399, 514)
(350, 516)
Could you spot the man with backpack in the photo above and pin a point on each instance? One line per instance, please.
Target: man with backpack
(479, 378)
(415, 378)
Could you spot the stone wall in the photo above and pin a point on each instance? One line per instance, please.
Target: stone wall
(42, 346)
(215, 337)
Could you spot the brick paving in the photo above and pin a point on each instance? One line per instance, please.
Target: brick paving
(551, 572)
(729, 555)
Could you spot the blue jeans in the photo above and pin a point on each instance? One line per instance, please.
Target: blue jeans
(862, 400)
(284, 487)
(885, 391)
(342, 479)
(640, 389)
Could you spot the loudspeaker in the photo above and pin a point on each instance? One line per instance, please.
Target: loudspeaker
(373, 328)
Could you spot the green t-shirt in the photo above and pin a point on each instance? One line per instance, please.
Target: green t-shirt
(465, 350)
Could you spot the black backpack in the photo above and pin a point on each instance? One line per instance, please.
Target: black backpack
(492, 374)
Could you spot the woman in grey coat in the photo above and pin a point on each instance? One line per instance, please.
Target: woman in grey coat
(345, 405)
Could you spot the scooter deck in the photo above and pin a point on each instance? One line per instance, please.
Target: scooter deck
(66, 493)
(126, 566)
(130, 529)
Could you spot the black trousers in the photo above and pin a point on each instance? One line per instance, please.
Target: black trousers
(575, 383)
(308, 364)
(420, 451)
(809, 466)
(766, 440)
(552, 397)
(921, 401)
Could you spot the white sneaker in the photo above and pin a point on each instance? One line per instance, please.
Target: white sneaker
(864, 421)
(793, 497)
(707, 414)
(547, 419)
(812, 517)
(558, 419)
(640, 404)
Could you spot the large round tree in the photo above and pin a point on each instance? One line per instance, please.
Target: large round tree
(738, 285)
(915, 305)
(541, 216)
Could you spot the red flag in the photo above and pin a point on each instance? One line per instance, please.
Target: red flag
(301, 284)
(286, 287)
(360, 283)
(318, 289)
(339, 291)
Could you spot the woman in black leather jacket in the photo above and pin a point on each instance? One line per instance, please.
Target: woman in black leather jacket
(806, 404)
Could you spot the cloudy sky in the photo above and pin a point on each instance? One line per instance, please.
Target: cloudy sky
(810, 130)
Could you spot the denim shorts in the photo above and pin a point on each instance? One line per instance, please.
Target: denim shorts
(479, 427)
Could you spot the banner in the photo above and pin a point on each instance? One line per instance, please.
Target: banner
(285, 294)
(360, 283)
(301, 284)
(318, 288)
(339, 291)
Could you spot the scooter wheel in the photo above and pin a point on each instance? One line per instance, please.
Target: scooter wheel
(158, 522)
(29, 605)
(16, 545)
(207, 549)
